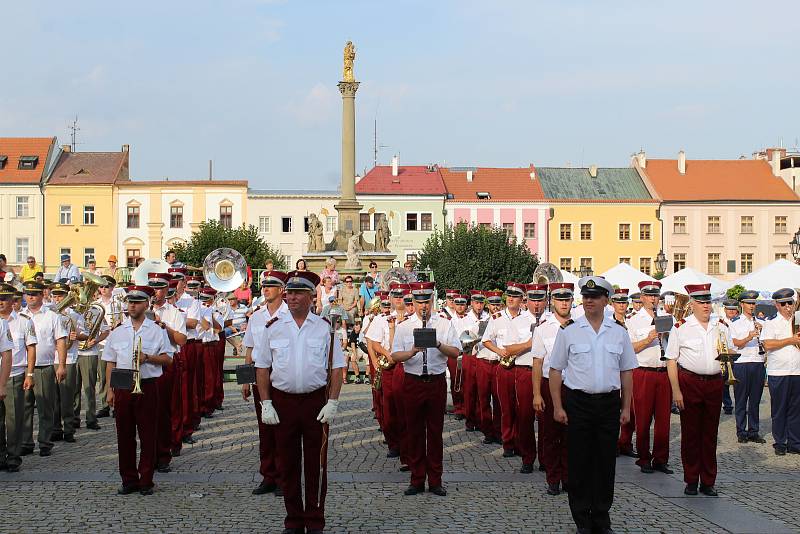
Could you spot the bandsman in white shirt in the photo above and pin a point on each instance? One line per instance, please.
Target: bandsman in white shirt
(487, 363)
(115, 313)
(458, 319)
(87, 368)
(696, 379)
(782, 343)
(17, 359)
(223, 315)
(552, 434)
(272, 285)
(299, 372)
(425, 389)
(619, 305)
(208, 329)
(748, 369)
(593, 357)
(179, 372)
(64, 419)
(50, 368)
(137, 414)
(192, 377)
(469, 363)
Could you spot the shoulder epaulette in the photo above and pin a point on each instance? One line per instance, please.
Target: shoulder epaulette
(272, 321)
(721, 320)
(569, 322)
(620, 323)
(409, 314)
(326, 320)
(443, 316)
(444, 310)
(497, 315)
(25, 315)
(386, 314)
(679, 323)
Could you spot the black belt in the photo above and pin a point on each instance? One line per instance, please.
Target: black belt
(192, 341)
(612, 393)
(717, 376)
(489, 361)
(425, 378)
(44, 366)
(524, 366)
(654, 369)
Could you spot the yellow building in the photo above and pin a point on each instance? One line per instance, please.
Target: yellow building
(81, 211)
(600, 217)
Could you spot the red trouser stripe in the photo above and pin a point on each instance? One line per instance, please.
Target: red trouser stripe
(164, 383)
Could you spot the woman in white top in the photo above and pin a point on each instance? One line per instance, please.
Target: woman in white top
(324, 291)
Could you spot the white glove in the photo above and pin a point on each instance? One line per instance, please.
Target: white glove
(328, 411)
(268, 414)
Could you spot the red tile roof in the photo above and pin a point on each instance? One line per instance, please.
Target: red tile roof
(410, 180)
(509, 184)
(90, 168)
(14, 147)
(717, 180)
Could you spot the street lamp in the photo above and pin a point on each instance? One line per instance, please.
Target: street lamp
(794, 245)
(661, 262)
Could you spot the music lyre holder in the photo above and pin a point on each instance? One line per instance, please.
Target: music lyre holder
(425, 338)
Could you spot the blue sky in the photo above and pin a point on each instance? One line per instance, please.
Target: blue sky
(251, 84)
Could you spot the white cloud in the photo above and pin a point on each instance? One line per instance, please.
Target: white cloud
(316, 107)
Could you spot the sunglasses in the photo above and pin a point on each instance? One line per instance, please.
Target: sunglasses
(348, 281)
(790, 303)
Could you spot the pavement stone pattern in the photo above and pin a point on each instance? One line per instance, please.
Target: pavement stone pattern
(74, 490)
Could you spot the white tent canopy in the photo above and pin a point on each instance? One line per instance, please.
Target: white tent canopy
(570, 278)
(625, 276)
(676, 281)
(776, 275)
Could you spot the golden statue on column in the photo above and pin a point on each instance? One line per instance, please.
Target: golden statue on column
(349, 58)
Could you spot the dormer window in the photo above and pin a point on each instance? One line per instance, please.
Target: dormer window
(3, 161)
(28, 162)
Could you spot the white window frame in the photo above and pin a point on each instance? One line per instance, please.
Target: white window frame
(23, 203)
(419, 215)
(26, 247)
(65, 215)
(570, 263)
(64, 250)
(87, 255)
(685, 224)
(86, 212)
(172, 207)
(332, 223)
(265, 221)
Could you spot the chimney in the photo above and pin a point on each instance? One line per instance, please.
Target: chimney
(469, 176)
(395, 164)
(641, 157)
(682, 162)
(66, 148)
(775, 162)
(533, 173)
(126, 148)
(593, 171)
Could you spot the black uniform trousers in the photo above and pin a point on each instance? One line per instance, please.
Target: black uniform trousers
(592, 430)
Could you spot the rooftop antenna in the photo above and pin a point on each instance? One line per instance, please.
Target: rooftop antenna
(73, 129)
(375, 146)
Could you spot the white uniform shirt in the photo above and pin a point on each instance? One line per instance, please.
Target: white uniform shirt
(297, 356)
(504, 330)
(190, 306)
(79, 327)
(379, 330)
(257, 323)
(740, 329)
(121, 342)
(173, 318)
(207, 313)
(95, 349)
(404, 340)
(473, 323)
(544, 338)
(639, 327)
(365, 327)
(592, 361)
(15, 335)
(784, 361)
(695, 348)
(49, 328)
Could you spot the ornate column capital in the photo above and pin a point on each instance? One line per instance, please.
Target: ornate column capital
(348, 89)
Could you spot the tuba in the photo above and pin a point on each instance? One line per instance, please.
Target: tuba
(395, 274)
(140, 273)
(93, 313)
(547, 273)
(225, 269)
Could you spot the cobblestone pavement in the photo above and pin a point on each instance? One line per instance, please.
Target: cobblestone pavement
(209, 488)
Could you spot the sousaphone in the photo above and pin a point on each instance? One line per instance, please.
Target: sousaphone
(225, 269)
(148, 266)
(547, 273)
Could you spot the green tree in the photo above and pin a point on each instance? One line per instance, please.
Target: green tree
(244, 239)
(476, 257)
(734, 292)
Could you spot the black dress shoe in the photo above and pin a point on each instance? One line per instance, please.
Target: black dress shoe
(552, 489)
(279, 491)
(104, 412)
(264, 488)
(690, 489)
(208, 415)
(564, 487)
(675, 410)
(163, 468)
(742, 439)
(146, 491)
(471, 429)
(393, 453)
(69, 438)
(92, 426)
(77, 424)
(45, 452)
(708, 491)
(26, 451)
(438, 490)
(728, 411)
(57, 436)
(508, 453)
(542, 467)
(526, 468)
(12, 468)
(175, 452)
(608, 530)
(663, 468)
(189, 439)
(488, 441)
(405, 468)
(629, 453)
(127, 490)
(780, 451)
(459, 417)
(646, 469)
(413, 490)
(756, 439)
(221, 408)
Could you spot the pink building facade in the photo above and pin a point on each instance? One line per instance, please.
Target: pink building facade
(527, 221)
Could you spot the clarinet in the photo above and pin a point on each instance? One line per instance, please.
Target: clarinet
(425, 350)
(660, 343)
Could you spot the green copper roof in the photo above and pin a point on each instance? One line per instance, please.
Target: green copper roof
(613, 184)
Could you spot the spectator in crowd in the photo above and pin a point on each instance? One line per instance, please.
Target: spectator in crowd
(365, 293)
(330, 271)
(300, 265)
(348, 294)
(377, 276)
(68, 270)
(30, 269)
(244, 294)
(112, 269)
(234, 332)
(411, 274)
(355, 353)
(91, 266)
(172, 258)
(269, 265)
(4, 264)
(326, 293)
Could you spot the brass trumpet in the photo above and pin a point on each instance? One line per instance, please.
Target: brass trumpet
(137, 372)
(726, 358)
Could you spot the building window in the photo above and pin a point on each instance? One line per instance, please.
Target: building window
(485, 225)
(644, 232)
(65, 215)
(264, 225)
(586, 231)
(624, 231)
(131, 255)
(509, 228)
(363, 219)
(88, 254)
(23, 208)
(747, 263)
(586, 264)
(678, 261)
(713, 263)
(331, 223)
(713, 224)
(226, 216)
(133, 216)
(644, 265)
(288, 261)
(780, 223)
(625, 260)
(286, 225)
(426, 222)
(22, 249)
(746, 226)
(530, 230)
(411, 222)
(306, 224)
(679, 224)
(88, 215)
(176, 216)
(565, 231)
(781, 256)
(27, 162)
(565, 264)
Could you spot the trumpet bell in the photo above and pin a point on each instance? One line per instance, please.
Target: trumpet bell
(148, 266)
(225, 269)
(468, 341)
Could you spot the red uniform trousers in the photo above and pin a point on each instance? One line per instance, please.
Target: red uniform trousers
(652, 395)
(457, 396)
(268, 466)
(469, 388)
(137, 414)
(399, 380)
(425, 399)
(552, 439)
(210, 372)
(391, 390)
(508, 406)
(488, 403)
(526, 416)
(199, 383)
(179, 375)
(702, 400)
(189, 385)
(164, 383)
(219, 390)
(625, 441)
(298, 440)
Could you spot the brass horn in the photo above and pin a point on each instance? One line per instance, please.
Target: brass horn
(225, 269)
(547, 273)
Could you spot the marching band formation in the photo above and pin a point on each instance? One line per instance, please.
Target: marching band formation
(526, 369)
